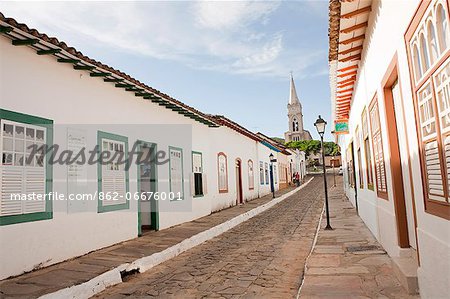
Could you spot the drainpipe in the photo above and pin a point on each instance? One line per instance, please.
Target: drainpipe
(257, 164)
(354, 177)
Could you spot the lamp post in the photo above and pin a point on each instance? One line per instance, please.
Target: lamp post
(334, 164)
(272, 160)
(334, 171)
(320, 126)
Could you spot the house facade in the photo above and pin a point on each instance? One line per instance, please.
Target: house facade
(51, 94)
(389, 77)
(297, 163)
(289, 161)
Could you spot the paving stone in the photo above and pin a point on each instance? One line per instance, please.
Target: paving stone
(99, 262)
(332, 286)
(94, 269)
(370, 252)
(249, 278)
(56, 278)
(376, 260)
(328, 249)
(131, 290)
(152, 293)
(386, 281)
(19, 289)
(261, 258)
(338, 270)
(232, 291)
(90, 265)
(182, 277)
(324, 260)
(364, 270)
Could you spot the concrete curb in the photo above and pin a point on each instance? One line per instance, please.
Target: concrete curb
(305, 268)
(113, 277)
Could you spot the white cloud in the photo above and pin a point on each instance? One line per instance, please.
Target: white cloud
(269, 52)
(224, 36)
(231, 15)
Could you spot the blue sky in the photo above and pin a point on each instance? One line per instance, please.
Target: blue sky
(230, 58)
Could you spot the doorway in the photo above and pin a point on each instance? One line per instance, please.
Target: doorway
(272, 183)
(147, 186)
(404, 214)
(239, 197)
(352, 153)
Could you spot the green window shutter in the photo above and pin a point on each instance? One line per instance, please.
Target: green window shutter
(25, 181)
(113, 182)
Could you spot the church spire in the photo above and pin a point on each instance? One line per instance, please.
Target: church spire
(293, 98)
(295, 117)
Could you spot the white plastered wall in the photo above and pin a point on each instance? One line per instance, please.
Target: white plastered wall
(385, 37)
(39, 86)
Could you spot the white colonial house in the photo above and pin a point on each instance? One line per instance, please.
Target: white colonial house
(390, 78)
(51, 94)
(297, 163)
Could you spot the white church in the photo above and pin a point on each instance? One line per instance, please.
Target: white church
(295, 117)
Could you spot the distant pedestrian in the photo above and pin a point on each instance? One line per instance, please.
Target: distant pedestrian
(297, 178)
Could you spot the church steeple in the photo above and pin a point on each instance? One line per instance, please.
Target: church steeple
(293, 98)
(295, 117)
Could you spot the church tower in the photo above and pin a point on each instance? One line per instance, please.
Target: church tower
(295, 117)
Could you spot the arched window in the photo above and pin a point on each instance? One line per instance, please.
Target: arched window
(222, 172)
(432, 42)
(442, 28)
(424, 56)
(251, 176)
(431, 100)
(295, 125)
(417, 65)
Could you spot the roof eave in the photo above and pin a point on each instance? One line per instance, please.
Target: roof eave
(45, 45)
(346, 49)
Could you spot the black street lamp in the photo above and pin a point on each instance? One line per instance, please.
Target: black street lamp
(320, 126)
(272, 160)
(334, 164)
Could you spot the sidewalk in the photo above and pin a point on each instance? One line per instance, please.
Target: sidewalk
(83, 269)
(348, 262)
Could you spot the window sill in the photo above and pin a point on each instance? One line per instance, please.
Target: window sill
(438, 209)
(22, 218)
(176, 199)
(122, 206)
(383, 195)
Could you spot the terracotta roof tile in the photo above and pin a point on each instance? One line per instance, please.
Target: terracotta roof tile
(224, 121)
(60, 44)
(333, 29)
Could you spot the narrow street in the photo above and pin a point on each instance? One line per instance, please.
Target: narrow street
(263, 257)
(142, 145)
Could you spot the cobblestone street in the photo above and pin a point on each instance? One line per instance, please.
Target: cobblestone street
(263, 257)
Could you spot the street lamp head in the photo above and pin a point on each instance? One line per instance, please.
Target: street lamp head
(272, 158)
(320, 125)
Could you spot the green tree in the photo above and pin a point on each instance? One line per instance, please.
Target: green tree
(331, 149)
(313, 147)
(278, 139)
